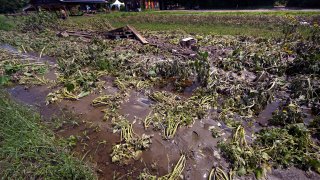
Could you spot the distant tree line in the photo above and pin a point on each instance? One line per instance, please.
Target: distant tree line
(304, 3)
(217, 4)
(11, 6)
(232, 4)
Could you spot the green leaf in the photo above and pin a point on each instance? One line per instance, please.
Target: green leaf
(152, 73)
(83, 94)
(27, 74)
(241, 171)
(4, 80)
(315, 164)
(258, 173)
(70, 86)
(265, 156)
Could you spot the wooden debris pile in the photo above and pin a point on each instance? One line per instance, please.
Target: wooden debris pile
(75, 33)
(120, 33)
(126, 32)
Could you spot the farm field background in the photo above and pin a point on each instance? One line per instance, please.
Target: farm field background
(243, 102)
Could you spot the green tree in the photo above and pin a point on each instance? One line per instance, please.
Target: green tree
(304, 3)
(11, 6)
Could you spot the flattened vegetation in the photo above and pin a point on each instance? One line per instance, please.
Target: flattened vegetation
(225, 80)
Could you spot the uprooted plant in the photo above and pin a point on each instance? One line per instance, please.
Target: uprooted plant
(22, 70)
(175, 174)
(277, 147)
(131, 145)
(288, 113)
(171, 111)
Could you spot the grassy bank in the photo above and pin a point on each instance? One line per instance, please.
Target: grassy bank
(30, 151)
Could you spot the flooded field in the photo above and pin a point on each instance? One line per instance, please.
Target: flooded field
(230, 107)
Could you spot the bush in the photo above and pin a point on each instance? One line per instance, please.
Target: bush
(11, 6)
(304, 3)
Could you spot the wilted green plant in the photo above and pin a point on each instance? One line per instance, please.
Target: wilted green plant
(308, 53)
(174, 175)
(111, 102)
(218, 174)
(171, 111)
(16, 69)
(277, 147)
(131, 144)
(202, 68)
(244, 158)
(288, 113)
(39, 21)
(74, 87)
(315, 127)
(305, 89)
(290, 146)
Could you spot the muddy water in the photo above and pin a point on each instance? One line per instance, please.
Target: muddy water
(196, 142)
(96, 137)
(266, 114)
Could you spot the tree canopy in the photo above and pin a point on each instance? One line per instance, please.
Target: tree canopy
(219, 4)
(10, 6)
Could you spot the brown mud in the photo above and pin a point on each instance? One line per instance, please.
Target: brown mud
(96, 137)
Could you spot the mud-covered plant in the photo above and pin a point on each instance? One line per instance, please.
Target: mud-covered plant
(130, 149)
(111, 104)
(244, 158)
(215, 132)
(171, 111)
(75, 87)
(289, 146)
(308, 54)
(131, 145)
(173, 68)
(314, 127)
(18, 69)
(288, 113)
(219, 174)
(289, 29)
(174, 175)
(126, 152)
(306, 89)
(124, 127)
(277, 147)
(39, 21)
(202, 68)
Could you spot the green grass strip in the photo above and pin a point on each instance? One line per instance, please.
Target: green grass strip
(30, 151)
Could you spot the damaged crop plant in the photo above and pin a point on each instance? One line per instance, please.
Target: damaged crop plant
(230, 80)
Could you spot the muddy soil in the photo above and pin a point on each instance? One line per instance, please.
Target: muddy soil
(97, 137)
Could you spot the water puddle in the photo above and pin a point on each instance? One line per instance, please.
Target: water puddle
(266, 114)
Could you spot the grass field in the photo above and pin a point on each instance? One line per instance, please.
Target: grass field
(259, 24)
(30, 150)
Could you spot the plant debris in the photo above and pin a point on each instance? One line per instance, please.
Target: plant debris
(175, 174)
(131, 145)
(228, 79)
